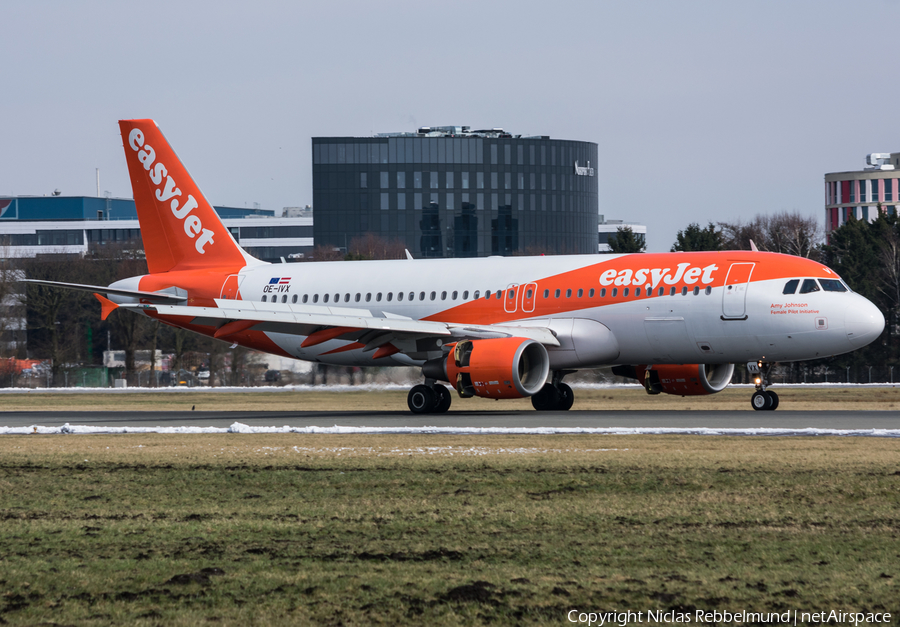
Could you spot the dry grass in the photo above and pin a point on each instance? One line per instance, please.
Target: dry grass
(800, 399)
(396, 529)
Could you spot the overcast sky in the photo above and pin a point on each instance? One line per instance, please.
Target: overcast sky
(703, 111)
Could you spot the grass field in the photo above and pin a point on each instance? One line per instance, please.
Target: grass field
(440, 530)
(873, 399)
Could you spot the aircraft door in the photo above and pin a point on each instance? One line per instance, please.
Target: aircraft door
(231, 287)
(734, 297)
(511, 298)
(529, 294)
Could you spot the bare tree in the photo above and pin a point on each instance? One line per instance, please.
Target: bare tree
(325, 253)
(53, 314)
(788, 233)
(372, 246)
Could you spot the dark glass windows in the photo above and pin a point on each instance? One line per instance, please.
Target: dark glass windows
(832, 285)
(809, 285)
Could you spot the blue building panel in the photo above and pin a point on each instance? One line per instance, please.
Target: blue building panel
(91, 208)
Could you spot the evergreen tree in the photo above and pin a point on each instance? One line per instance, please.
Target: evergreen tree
(625, 241)
(694, 238)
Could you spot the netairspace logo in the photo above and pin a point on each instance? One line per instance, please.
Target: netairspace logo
(701, 617)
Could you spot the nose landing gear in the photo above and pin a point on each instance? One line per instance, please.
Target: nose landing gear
(762, 399)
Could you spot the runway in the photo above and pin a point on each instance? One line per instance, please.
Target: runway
(743, 421)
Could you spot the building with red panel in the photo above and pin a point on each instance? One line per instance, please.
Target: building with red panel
(863, 193)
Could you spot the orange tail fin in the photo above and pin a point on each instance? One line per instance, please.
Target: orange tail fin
(180, 229)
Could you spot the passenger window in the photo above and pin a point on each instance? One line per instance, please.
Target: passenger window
(432, 295)
(422, 295)
(672, 291)
(557, 294)
(809, 285)
(661, 291)
(569, 293)
(325, 298)
(708, 290)
(696, 290)
(358, 296)
(412, 296)
(615, 292)
(580, 293)
(791, 286)
(305, 298)
(476, 295)
(466, 295)
(832, 285)
(369, 297)
(378, 297)
(487, 295)
(390, 296)
(264, 298)
(591, 293)
(346, 298)
(602, 292)
(284, 298)
(293, 299)
(637, 291)
(499, 294)
(337, 298)
(399, 296)
(453, 295)
(625, 292)
(546, 293)
(315, 298)
(684, 291)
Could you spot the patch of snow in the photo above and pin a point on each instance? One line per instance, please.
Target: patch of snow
(238, 427)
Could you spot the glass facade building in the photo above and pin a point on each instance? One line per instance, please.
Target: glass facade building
(452, 192)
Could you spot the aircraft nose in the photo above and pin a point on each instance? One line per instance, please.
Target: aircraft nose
(864, 322)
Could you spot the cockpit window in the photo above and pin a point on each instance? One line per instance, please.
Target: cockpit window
(791, 286)
(809, 285)
(832, 285)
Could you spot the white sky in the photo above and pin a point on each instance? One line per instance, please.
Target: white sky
(703, 111)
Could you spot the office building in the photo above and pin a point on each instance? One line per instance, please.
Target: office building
(455, 192)
(860, 193)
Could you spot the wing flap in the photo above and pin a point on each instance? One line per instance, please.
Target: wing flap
(308, 320)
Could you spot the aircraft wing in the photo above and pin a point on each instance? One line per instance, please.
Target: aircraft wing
(161, 297)
(320, 324)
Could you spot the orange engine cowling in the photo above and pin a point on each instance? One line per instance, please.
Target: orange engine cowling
(511, 367)
(685, 379)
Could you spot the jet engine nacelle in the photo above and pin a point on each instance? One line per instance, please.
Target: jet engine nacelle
(680, 379)
(511, 367)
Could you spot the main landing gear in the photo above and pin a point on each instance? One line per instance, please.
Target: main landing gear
(429, 398)
(762, 399)
(556, 395)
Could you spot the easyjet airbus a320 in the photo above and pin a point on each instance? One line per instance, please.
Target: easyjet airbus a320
(493, 327)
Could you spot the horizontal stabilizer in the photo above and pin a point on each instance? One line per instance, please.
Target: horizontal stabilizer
(157, 297)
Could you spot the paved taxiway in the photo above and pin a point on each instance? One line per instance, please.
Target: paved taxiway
(526, 419)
